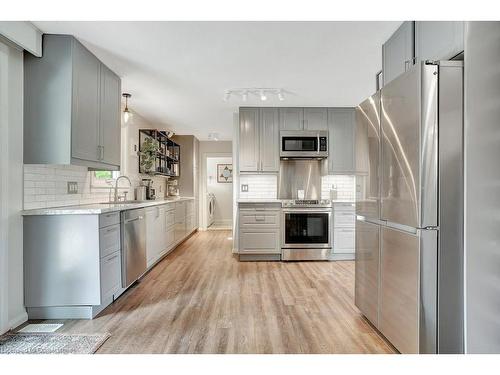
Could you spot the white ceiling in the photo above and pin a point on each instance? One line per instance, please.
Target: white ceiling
(177, 72)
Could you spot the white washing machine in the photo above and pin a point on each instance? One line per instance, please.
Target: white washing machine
(210, 209)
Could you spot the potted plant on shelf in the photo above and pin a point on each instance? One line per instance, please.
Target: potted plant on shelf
(147, 155)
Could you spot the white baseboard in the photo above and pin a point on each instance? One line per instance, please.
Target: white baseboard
(18, 320)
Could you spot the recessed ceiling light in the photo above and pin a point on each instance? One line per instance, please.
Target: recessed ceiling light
(263, 96)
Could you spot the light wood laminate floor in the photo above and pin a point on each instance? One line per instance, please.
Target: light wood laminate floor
(200, 299)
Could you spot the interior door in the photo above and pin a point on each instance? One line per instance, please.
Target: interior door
(399, 289)
(367, 269)
(368, 157)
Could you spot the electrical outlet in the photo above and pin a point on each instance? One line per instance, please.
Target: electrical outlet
(244, 188)
(72, 187)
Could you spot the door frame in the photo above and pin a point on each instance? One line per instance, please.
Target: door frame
(203, 199)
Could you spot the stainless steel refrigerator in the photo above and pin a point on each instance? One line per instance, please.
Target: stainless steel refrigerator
(409, 227)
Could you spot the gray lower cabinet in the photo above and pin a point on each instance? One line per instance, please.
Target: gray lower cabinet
(259, 231)
(341, 147)
(259, 139)
(180, 221)
(73, 263)
(398, 52)
(71, 107)
(438, 40)
(87, 274)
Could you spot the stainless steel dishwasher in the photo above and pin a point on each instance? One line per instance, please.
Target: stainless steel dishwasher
(133, 224)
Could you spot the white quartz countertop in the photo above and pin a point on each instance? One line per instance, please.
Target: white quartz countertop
(101, 208)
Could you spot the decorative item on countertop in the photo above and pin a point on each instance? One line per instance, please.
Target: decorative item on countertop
(224, 173)
(147, 156)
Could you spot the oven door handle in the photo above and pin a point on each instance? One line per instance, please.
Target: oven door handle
(306, 211)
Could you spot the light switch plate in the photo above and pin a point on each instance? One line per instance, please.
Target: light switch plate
(244, 188)
(72, 187)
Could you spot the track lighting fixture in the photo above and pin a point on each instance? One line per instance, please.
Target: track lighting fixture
(259, 92)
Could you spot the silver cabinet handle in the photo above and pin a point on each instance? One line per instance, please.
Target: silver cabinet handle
(102, 152)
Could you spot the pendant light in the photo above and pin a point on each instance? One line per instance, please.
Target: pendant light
(127, 115)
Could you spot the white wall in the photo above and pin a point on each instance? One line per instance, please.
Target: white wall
(12, 311)
(223, 191)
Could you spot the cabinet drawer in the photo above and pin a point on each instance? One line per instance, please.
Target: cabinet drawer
(343, 240)
(109, 240)
(249, 218)
(170, 218)
(170, 237)
(108, 219)
(260, 242)
(111, 275)
(344, 219)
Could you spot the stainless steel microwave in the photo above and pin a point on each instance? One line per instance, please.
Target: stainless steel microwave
(304, 144)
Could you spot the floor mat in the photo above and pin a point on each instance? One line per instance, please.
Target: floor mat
(51, 343)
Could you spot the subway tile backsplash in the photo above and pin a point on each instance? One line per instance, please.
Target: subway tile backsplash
(344, 184)
(47, 185)
(259, 186)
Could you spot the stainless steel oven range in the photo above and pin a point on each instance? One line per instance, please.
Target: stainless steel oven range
(306, 233)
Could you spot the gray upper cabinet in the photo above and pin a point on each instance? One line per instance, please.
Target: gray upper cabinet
(85, 121)
(71, 107)
(341, 154)
(291, 118)
(259, 139)
(109, 118)
(269, 139)
(438, 40)
(315, 118)
(249, 139)
(398, 52)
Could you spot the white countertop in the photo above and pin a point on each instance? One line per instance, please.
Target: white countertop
(100, 208)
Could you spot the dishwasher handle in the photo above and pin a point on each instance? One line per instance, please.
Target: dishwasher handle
(134, 219)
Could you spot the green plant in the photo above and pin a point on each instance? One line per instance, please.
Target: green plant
(147, 156)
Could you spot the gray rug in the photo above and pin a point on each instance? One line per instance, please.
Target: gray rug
(50, 343)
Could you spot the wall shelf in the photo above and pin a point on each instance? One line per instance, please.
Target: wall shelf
(167, 159)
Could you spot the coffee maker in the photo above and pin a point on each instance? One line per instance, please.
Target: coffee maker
(150, 192)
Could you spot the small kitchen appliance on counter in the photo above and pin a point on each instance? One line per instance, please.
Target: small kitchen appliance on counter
(150, 191)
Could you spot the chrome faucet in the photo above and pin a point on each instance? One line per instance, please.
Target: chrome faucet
(116, 186)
